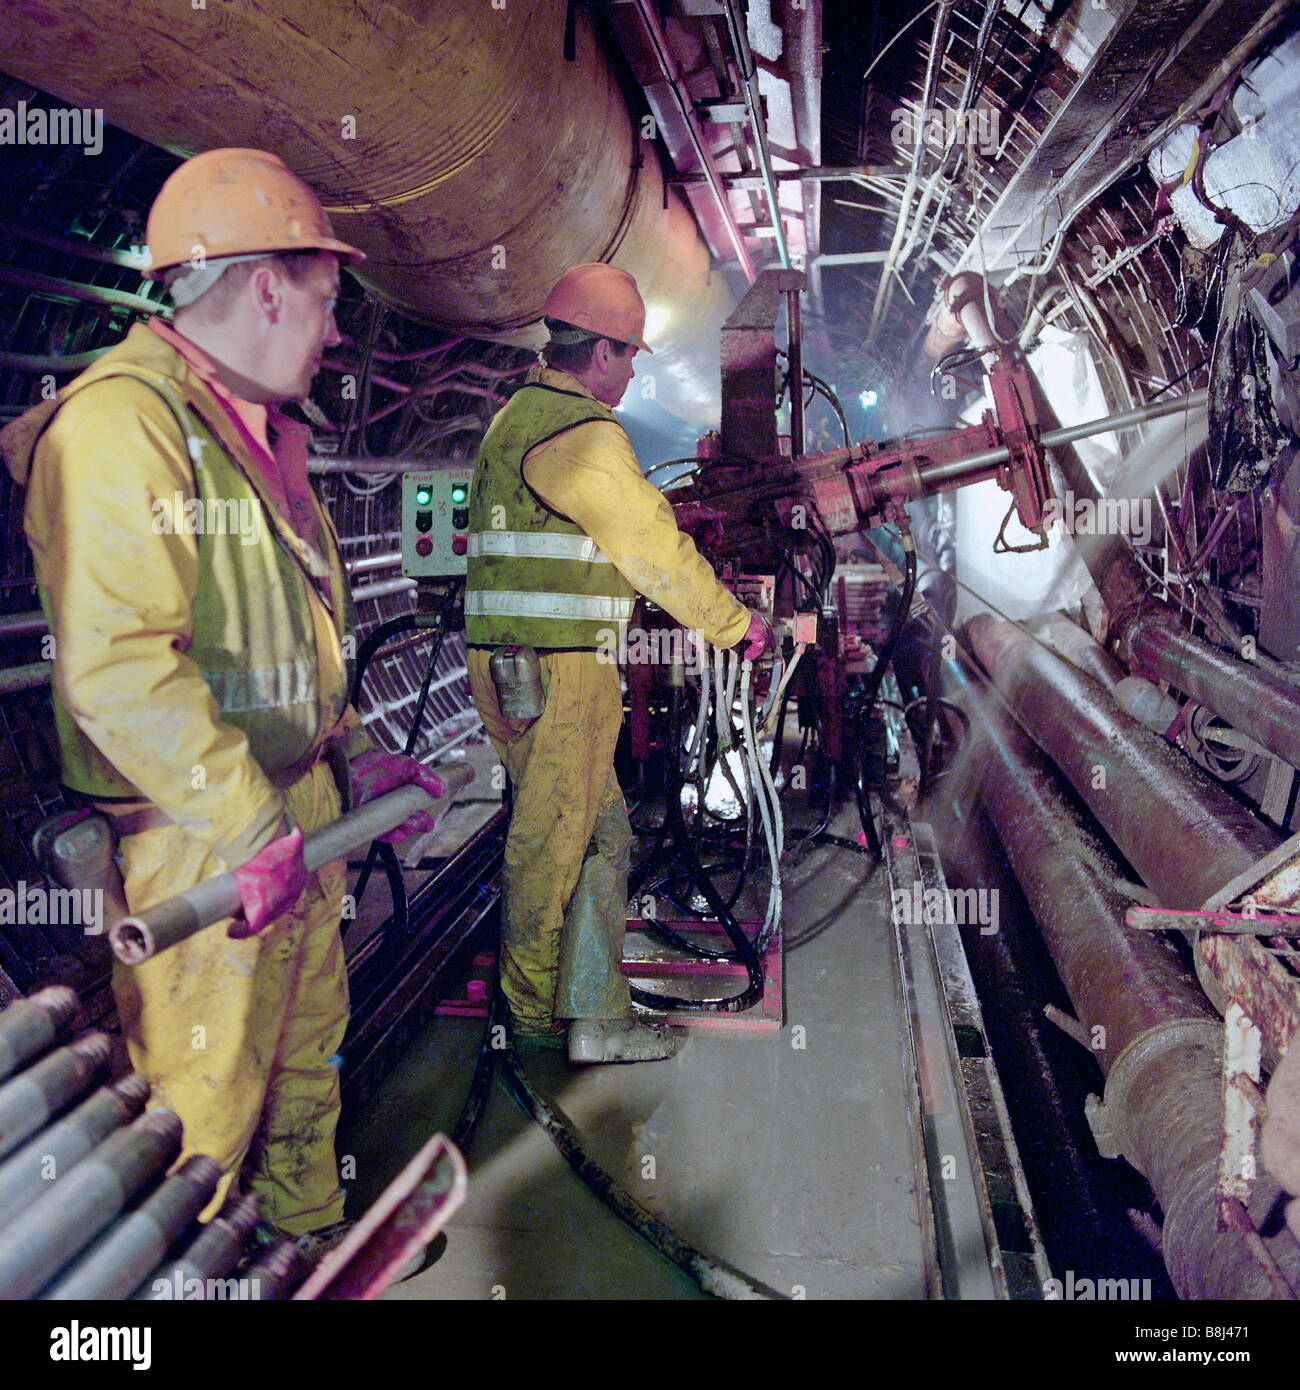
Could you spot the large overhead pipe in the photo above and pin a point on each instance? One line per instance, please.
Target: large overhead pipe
(457, 144)
(1154, 1034)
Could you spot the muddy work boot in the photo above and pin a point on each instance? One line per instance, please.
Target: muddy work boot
(620, 1040)
(315, 1245)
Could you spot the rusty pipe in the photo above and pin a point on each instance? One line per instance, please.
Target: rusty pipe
(125, 1253)
(39, 1242)
(1125, 982)
(1201, 840)
(29, 1099)
(1155, 643)
(1154, 1034)
(29, 1026)
(200, 1269)
(277, 1272)
(1070, 641)
(58, 1149)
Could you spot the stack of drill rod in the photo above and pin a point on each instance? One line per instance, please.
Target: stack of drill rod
(87, 1210)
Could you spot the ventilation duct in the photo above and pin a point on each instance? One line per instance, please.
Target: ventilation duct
(451, 140)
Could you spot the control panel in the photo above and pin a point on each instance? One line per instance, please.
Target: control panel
(435, 521)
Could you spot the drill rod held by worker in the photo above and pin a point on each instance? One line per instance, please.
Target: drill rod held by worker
(135, 939)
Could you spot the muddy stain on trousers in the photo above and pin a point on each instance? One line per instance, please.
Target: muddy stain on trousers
(564, 903)
(237, 1036)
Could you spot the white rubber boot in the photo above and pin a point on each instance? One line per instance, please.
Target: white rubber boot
(620, 1040)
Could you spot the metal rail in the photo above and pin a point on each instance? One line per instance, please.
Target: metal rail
(969, 1260)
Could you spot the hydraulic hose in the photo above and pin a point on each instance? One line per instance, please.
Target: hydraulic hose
(726, 734)
(744, 947)
(762, 788)
(713, 1275)
(874, 682)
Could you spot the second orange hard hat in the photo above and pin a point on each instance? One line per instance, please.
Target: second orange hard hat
(600, 299)
(233, 203)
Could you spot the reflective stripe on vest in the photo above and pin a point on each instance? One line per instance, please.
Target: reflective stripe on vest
(535, 577)
(509, 602)
(264, 687)
(537, 545)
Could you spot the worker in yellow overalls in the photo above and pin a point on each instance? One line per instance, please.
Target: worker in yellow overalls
(196, 593)
(564, 532)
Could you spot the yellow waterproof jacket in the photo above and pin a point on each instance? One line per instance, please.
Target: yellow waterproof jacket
(197, 663)
(536, 578)
(590, 475)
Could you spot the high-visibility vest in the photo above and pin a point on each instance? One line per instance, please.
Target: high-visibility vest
(270, 649)
(535, 578)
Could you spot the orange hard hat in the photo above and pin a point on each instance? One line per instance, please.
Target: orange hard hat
(600, 299)
(233, 203)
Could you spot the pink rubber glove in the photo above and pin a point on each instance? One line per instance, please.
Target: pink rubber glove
(269, 884)
(758, 638)
(375, 773)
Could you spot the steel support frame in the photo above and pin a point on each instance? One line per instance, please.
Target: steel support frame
(1139, 77)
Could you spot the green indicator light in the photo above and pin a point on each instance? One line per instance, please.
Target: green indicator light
(423, 496)
(459, 492)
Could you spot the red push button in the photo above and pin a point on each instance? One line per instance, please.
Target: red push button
(459, 544)
(423, 546)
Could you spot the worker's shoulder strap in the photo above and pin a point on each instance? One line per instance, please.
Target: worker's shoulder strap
(586, 411)
(185, 417)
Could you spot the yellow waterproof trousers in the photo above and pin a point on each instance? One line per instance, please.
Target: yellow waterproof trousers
(236, 1036)
(564, 903)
